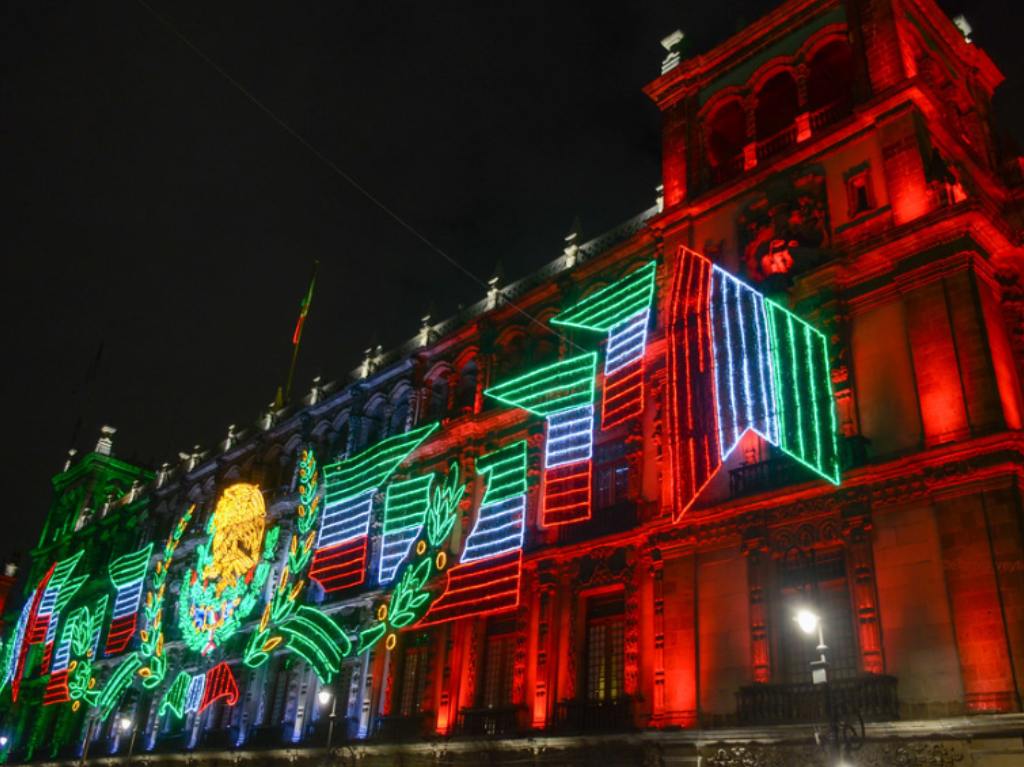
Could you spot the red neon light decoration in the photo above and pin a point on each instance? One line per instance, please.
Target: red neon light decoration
(623, 394)
(220, 684)
(340, 567)
(121, 632)
(693, 423)
(567, 492)
(56, 688)
(478, 588)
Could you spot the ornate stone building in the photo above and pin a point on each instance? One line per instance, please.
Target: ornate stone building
(832, 164)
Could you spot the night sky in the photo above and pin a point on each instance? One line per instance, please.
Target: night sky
(153, 210)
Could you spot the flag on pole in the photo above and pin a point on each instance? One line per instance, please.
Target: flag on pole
(304, 307)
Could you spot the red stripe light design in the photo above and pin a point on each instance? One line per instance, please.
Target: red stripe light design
(695, 447)
(121, 632)
(56, 688)
(478, 588)
(567, 492)
(341, 566)
(623, 396)
(220, 684)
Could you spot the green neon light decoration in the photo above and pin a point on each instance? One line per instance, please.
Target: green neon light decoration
(106, 699)
(174, 698)
(551, 389)
(130, 567)
(602, 310)
(318, 640)
(803, 392)
(82, 630)
(369, 469)
(154, 668)
(505, 472)
(292, 582)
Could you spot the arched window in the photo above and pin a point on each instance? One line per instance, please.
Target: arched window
(373, 422)
(775, 116)
(465, 394)
(399, 410)
(830, 82)
(437, 397)
(727, 135)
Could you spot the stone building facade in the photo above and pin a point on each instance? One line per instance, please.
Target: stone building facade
(840, 159)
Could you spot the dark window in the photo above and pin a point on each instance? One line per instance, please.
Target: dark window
(499, 656)
(414, 680)
(818, 583)
(605, 661)
(860, 197)
(611, 474)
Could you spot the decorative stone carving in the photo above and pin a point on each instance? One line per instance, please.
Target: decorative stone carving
(748, 756)
(914, 754)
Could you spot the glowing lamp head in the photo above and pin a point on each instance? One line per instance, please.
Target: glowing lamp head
(807, 621)
(3, 741)
(125, 724)
(324, 696)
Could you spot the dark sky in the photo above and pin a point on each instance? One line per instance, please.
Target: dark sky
(151, 207)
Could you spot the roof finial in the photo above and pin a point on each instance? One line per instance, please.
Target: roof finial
(673, 44)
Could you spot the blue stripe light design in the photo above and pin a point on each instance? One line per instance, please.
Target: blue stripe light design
(500, 522)
(498, 529)
(405, 508)
(127, 600)
(570, 436)
(626, 342)
(346, 519)
(744, 380)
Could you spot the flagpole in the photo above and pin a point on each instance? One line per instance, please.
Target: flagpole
(297, 336)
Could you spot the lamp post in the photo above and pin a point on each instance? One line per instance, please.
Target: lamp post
(127, 723)
(88, 740)
(810, 622)
(324, 697)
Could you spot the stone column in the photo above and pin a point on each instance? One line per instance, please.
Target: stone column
(861, 576)
(656, 569)
(759, 564)
(750, 150)
(803, 117)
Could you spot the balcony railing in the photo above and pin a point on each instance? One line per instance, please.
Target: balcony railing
(766, 475)
(770, 146)
(506, 721)
(607, 520)
(392, 728)
(777, 143)
(595, 716)
(830, 113)
(873, 696)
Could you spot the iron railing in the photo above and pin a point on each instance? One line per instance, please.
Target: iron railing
(506, 721)
(614, 715)
(871, 696)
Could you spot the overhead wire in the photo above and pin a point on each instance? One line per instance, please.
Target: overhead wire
(340, 172)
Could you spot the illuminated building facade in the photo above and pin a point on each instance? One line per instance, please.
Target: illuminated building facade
(793, 383)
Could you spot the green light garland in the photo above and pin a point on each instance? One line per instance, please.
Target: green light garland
(602, 310)
(551, 389)
(292, 583)
(154, 668)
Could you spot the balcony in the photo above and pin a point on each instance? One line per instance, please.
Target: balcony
(872, 696)
(767, 475)
(804, 126)
(595, 716)
(607, 520)
(507, 721)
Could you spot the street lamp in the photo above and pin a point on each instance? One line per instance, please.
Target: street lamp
(3, 741)
(324, 697)
(125, 724)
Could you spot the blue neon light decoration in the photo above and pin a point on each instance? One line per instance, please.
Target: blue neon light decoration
(744, 383)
